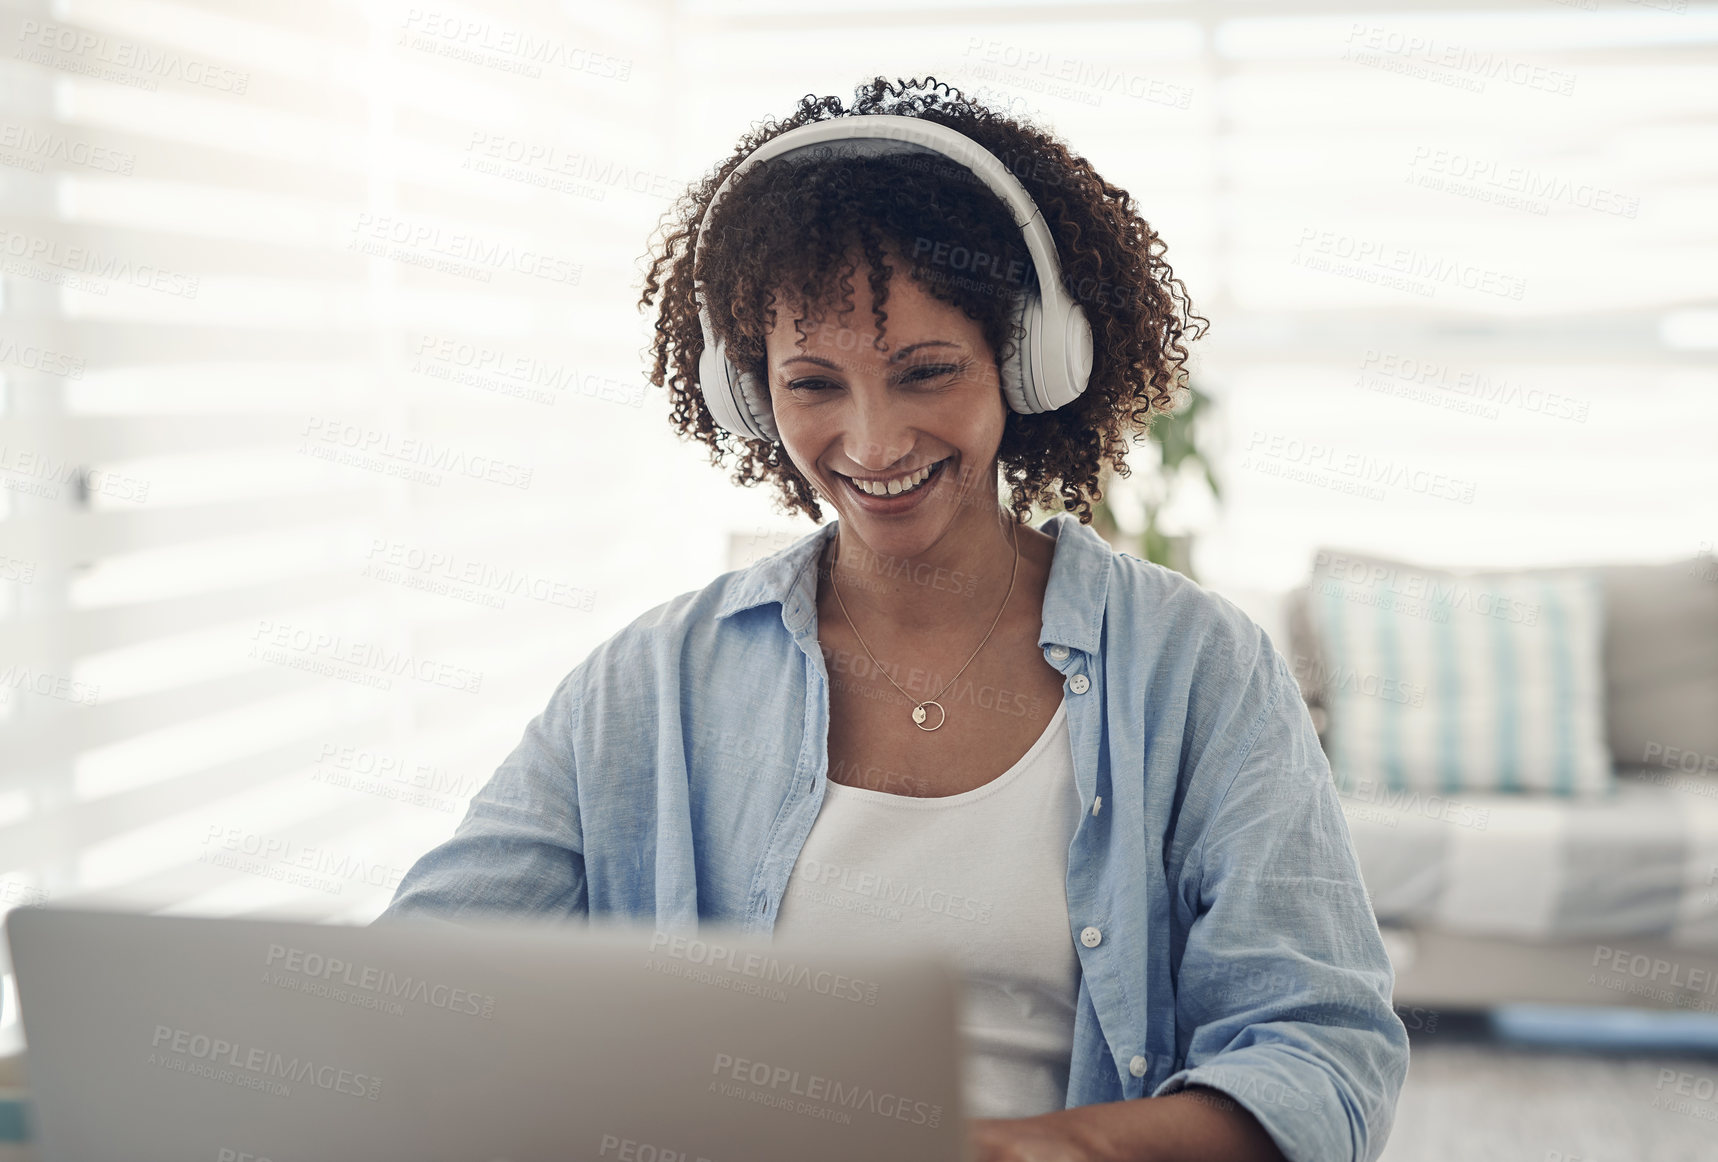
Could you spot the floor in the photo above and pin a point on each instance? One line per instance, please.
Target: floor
(1544, 1085)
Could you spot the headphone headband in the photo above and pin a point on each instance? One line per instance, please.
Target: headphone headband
(1056, 357)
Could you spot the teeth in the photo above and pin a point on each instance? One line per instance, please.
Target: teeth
(895, 487)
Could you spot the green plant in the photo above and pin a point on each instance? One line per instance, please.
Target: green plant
(1177, 436)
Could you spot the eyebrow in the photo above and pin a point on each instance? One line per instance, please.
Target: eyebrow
(895, 358)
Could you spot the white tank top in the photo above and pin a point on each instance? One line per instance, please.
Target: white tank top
(983, 874)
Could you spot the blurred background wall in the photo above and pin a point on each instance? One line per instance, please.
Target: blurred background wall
(325, 438)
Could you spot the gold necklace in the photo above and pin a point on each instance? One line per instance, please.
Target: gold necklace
(919, 714)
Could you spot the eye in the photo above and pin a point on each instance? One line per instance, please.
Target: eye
(931, 371)
(920, 374)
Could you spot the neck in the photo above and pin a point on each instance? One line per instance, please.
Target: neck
(959, 584)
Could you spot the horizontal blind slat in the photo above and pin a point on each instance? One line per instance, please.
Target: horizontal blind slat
(195, 876)
(86, 823)
(78, 537)
(86, 631)
(60, 734)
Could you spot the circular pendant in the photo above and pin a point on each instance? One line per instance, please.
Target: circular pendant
(919, 715)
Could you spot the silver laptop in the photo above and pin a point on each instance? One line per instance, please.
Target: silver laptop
(187, 1039)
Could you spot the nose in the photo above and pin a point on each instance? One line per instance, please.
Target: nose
(878, 436)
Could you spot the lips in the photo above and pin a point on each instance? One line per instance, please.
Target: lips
(899, 500)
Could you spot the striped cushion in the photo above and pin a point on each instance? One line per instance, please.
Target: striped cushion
(1460, 681)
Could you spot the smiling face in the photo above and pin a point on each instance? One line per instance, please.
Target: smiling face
(853, 416)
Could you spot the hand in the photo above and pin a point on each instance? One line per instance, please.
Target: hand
(1045, 1138)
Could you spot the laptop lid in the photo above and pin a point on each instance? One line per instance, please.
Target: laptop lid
(177, 1038)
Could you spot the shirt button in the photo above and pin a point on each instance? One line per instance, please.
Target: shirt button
(1090, 937)
(1138, 1066)
(1059, 652)
(1078, 683)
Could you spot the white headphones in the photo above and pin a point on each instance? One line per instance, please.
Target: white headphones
(1054, 360)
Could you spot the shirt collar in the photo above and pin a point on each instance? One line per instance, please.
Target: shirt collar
(1073, 599)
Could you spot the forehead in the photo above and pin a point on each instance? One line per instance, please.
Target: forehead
(911, 315)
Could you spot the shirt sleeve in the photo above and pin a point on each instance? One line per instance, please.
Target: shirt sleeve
(519, 851)
(1284, 988)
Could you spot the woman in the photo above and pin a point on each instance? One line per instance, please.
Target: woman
(1091, 778)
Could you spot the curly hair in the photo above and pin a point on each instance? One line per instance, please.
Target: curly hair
(794, 223)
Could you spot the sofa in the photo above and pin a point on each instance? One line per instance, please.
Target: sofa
(1568, 882)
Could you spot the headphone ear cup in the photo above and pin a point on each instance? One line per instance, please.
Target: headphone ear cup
(1077, 352)
(726, 394)
(757, 396)
(1016, 388)
(1058, 357)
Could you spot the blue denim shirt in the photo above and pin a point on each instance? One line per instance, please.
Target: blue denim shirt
(676, 772)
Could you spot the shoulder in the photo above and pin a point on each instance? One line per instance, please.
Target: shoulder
(1191, 630)
(659, 633)
(1206, 672)
(694, 626)
(1148, 619)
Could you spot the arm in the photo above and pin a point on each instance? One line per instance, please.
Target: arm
(1283, 985)
(1198, 1123)
(520, 847)
(1290, 1048)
